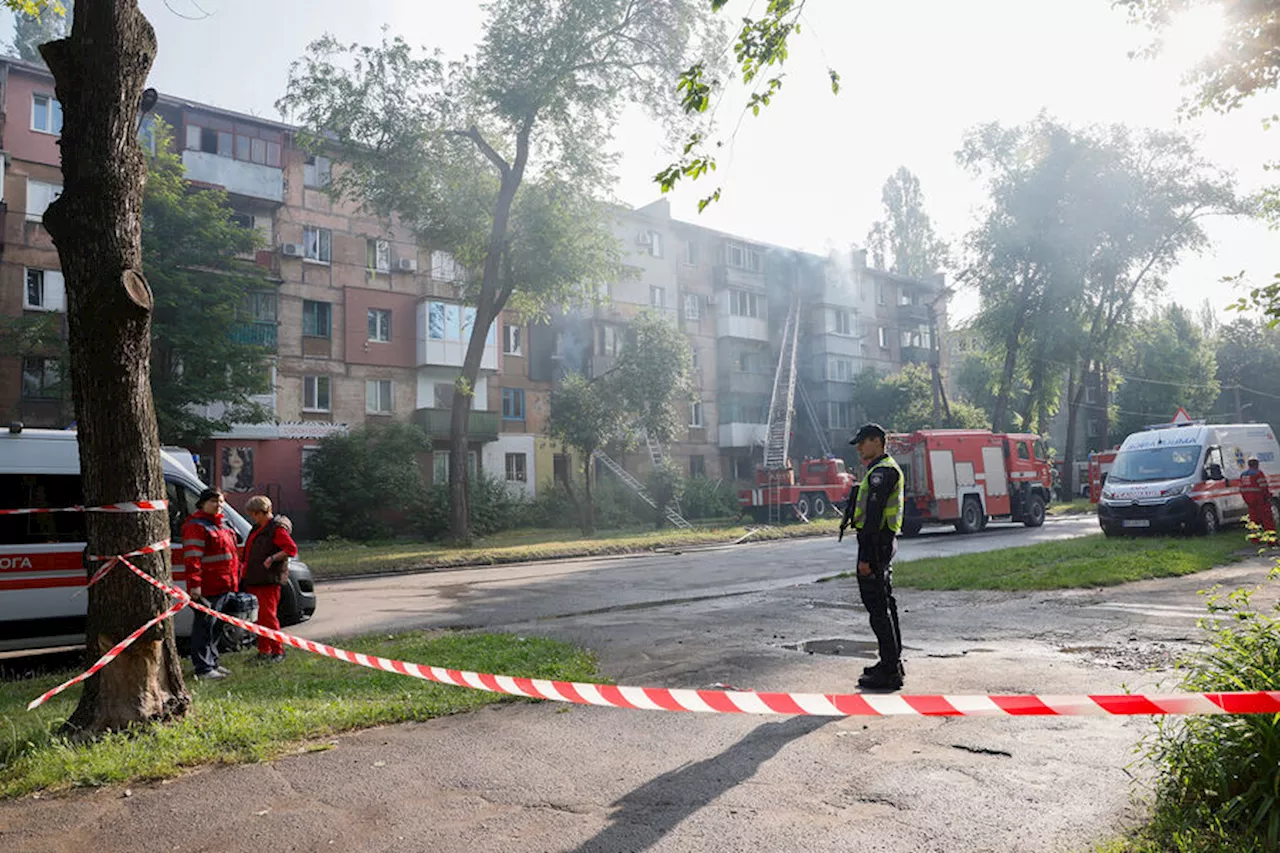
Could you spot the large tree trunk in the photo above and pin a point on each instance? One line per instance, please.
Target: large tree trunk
(588, 506)
(100, 71)
(1013, 339)
(1074, 397)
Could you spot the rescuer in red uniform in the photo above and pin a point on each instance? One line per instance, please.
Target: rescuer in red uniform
(1257, 495)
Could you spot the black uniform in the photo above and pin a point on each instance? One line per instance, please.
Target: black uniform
(878, 547)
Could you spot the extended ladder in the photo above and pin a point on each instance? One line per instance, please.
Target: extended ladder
(658, 458)
(782, 403)
(823, 444)
(676, 519)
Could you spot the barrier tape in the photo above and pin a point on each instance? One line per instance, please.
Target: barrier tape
(153, 548)
(745, 701)
(132, 506)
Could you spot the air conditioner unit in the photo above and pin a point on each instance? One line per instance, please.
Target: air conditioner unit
(407, 265)
(291, 250)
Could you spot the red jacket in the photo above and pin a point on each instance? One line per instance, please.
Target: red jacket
(1253, 484)
(209, 554)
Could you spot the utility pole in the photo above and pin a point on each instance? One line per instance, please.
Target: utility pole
(1239, 409)
(940, 403)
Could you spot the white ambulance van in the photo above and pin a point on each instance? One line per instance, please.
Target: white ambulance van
(41, 564)
(1184, 477)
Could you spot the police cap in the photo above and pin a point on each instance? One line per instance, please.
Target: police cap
(869, 431)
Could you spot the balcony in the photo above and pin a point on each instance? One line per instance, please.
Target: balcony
(916, 355)
(727, 276)
(911, 315)
(255, 334)
(252, 180)
(743, 435)
(481, 426)
(746, 328)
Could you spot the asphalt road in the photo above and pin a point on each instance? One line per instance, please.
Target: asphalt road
(544, 777)
(498, 596)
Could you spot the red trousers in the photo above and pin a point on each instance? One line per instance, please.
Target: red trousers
(268, 600)
(1260, 513)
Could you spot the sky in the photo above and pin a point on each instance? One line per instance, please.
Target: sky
(807, 173)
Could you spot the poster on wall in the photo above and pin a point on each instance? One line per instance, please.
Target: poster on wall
(237, 469)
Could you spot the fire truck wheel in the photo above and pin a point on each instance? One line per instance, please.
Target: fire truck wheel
(819, 506)
(970, 516)
(804, 507)
(1034, 516)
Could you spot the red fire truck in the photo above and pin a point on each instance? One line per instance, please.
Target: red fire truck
(968, 477)
(822, 484)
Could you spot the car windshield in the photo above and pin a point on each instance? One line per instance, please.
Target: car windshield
(1156, 463)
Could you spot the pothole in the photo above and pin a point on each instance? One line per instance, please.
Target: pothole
(839, 648)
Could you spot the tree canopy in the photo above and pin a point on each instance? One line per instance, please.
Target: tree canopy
(1173, 364)
(903, 402)
(904, 241)
(34, 27)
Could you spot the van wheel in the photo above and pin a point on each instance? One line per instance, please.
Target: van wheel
(1208, 520)
(971, 517)
(912, 527)
(1034, 512)
(819, 504)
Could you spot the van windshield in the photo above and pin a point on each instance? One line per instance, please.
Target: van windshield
(1155, 463)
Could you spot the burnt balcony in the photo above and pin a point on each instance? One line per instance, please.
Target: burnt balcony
(916, 355)
(911, 315)
(481, 426)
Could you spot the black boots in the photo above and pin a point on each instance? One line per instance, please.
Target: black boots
(882, 677)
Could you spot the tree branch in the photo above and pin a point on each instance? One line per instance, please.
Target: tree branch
(473, 133)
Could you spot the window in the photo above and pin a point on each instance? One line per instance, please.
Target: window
(513, 404)
(882, 297)
(517, 468)
(1022, 450)
(696, 360)
(609, 340)
(839, 415)
(443, 395)
(697, 466)
(744, 304)
(46, 114)
(695, 414)
(440, 466)
(39, 196)
(260, 306)
(41, 491)
(377, 396)
(147, 134)
(45, 291)
(692, 307)
(840, 370)
(242, 143)
(1090, 394)
(747, 363)
(560, 468)
(379, 325)
(448, 321)
(317, 244)
(315, 394)
(379, 255)
(654, 242)
(316, 319)
(41, 378)
(741, 257)
(657, 297)
(444, 267)
(843, 323)
(511, 340)
(884, 338)
(308, 453)
(317, 171)
(691, 254)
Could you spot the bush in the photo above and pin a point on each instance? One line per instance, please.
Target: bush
(666, 485)
(1220, 775)
(364, 485)
(704, 498)
(494, 507)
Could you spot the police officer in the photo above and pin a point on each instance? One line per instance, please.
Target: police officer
(877, 516)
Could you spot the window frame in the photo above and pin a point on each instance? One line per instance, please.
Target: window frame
(47, 363)
(696, 415)
(378, 324)
(692, 307)
(512, 340)
(378, 255)
(314, 380)
(323, 244)
(513, 399)
(317, 172)
(657, 297)
(52, 111)
(519, 472)
(379, 384)
(328, 316)
(54, 192)
(691, 254)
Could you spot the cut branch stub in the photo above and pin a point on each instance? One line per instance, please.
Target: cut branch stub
(135, 285)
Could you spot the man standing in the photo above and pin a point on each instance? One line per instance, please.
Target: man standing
(877, 516)
(1257, 495)
(266, 569)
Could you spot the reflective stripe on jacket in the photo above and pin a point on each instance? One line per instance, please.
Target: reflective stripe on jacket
(891, 518)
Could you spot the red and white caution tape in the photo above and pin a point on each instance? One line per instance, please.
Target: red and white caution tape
(111, 655)
(153, 548)
(132, 506)
(751, 702)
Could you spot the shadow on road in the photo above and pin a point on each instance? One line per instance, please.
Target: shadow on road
(644, 816)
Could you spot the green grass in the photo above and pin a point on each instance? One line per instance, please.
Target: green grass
(262, 712)
(1079, 506)
(1083, 562)
(346, 559)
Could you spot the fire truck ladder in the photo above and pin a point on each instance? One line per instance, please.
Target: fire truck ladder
(781, 412)
(676, 519)
(659, 458)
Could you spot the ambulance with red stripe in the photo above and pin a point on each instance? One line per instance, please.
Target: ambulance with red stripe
(1184, 477)
(41, 567)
